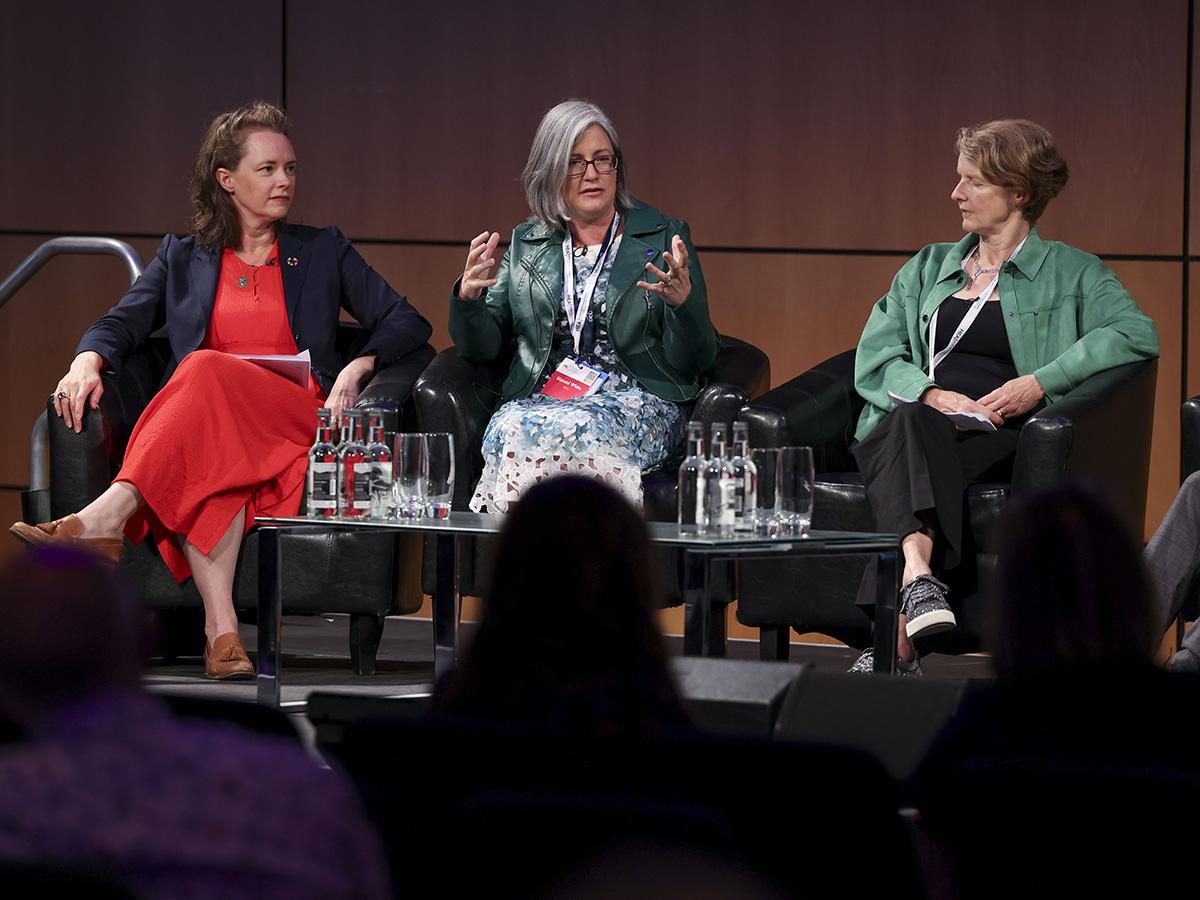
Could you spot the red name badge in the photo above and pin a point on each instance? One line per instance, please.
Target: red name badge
(574, 379)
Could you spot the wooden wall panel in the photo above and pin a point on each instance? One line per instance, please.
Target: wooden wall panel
(781, 124)
(104, 104)
(424, 275)
(1157, 289)
(1193, 247)
(1193, 331)
(455, 93)
(39, 329)
(833, 124)
(10, 511)
(798, 308)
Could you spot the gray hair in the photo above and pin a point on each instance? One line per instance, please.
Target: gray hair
(546, 171)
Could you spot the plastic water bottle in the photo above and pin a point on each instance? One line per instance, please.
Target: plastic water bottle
(354, 473)
(380, 456)
(691, 474)
(323, 470)
(718, 485)
(745, 480)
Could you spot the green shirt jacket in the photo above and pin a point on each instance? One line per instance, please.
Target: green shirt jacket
(666, 349)
(1066, 314)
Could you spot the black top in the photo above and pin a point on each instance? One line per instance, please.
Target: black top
(982, 360)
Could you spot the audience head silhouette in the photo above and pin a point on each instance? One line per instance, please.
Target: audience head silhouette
(568, 635)
(73, 628)
(1072, 586)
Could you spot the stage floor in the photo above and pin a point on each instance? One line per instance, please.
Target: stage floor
(316, 657)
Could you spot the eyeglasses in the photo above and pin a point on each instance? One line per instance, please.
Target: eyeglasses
(604, 164)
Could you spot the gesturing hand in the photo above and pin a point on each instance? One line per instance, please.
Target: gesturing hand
(481, 262)
(954, 402)
(1014, 398)
(675, 284)
(345, 390)
(79, 387)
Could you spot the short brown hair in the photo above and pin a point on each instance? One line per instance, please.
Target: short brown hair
(1017, 155)
(215, 221)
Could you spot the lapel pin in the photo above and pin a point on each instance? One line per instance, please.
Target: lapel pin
(292, 261)
(649, 252)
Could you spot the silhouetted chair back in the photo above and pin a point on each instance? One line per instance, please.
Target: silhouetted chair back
(527, 805)
(1011, 827)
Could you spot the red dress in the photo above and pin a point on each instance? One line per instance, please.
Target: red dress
(223, 434)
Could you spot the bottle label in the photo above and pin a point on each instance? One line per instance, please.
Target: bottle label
(382, 473)
(727, 501)
(322, 485)
(362, 486)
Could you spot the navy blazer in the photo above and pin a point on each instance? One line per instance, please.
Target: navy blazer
(322, 272)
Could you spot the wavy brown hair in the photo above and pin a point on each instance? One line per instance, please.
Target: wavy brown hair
(215, 221)
(1018, 155)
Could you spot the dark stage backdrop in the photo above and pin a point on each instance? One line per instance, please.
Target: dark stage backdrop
(809, 144)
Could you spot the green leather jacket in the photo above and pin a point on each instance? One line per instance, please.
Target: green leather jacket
(666, 349)
(1066, 314)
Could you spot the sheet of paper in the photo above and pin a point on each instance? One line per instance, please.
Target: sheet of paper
(968, 421)
(297, 369)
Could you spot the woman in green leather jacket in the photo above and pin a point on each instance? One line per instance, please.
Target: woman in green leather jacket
(601, 302)
(968, 341)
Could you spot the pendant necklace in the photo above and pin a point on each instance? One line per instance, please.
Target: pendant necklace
(972, 277)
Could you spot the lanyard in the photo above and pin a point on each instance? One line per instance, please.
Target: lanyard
(577, 314)
(968, 319)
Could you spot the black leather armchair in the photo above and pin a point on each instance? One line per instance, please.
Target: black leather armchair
(340, 572)
(1189, 462)
(459, 397)
(1100, 431)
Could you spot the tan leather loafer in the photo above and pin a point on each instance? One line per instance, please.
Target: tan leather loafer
(65, 532)
(226, 658)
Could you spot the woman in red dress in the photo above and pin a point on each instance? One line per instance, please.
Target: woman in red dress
(224, 440)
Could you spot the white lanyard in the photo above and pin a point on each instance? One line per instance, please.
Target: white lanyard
(968, 319)
(577, 316)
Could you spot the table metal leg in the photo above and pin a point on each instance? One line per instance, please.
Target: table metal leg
(695, 609)
(887, 587)
(703, 626)
(270, 612)
(446, 604)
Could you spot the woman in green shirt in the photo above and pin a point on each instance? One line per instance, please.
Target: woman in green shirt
(970, 339)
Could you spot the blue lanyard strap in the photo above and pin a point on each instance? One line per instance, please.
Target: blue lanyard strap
(577, 313)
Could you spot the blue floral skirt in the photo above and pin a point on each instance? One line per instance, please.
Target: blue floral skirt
(613, 435)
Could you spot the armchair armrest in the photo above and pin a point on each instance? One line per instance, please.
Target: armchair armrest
(392, 385)
(1189, 438)
(1101, 432)
(741, 372)
(458, 397)
(816, 409)
(82, 465)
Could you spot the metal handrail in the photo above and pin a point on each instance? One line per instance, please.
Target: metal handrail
(39, 449)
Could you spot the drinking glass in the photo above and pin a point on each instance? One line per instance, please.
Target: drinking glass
(794, 491)
(410, 474)
(766, 462)
(439, 486)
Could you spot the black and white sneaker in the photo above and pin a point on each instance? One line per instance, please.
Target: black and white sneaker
(923, 604)
(865, 665)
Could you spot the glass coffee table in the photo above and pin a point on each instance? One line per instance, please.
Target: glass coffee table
(704, 623)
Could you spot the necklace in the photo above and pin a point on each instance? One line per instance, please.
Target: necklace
(975, 260)
(251, 271)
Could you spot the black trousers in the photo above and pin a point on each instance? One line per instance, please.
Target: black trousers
(916, 466)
